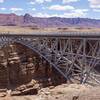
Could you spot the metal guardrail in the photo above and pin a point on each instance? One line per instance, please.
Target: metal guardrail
(55, 34)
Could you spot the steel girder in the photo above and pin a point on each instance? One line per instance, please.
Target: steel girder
(76, 59)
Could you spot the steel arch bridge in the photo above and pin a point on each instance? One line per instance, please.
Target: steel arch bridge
(76, 56)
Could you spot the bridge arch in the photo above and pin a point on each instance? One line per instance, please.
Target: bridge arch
(26, 43)
(11, 70)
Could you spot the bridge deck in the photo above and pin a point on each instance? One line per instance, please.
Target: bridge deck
(56, 34)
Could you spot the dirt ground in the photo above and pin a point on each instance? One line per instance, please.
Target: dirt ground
(62, 92)
(27, 30)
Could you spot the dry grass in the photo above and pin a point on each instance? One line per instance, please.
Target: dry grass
(15, 29)
(27, 30)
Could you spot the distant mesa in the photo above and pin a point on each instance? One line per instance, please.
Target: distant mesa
(27, 20)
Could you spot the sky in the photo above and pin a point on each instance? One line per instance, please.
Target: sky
(53, 8)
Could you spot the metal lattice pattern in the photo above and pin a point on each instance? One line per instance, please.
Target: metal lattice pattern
(76, 59)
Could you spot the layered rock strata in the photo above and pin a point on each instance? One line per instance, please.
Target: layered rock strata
(24, 72)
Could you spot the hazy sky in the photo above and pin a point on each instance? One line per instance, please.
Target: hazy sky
(51, 8)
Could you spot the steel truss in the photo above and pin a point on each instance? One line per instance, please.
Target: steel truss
(76, 59)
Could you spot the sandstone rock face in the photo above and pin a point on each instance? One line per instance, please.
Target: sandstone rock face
(19, 72)
(3, 71)
(24, 72)
(13, 70)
